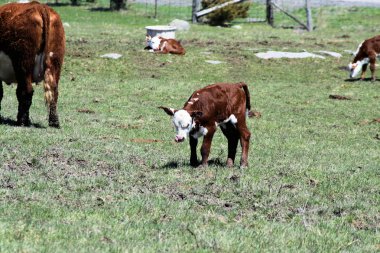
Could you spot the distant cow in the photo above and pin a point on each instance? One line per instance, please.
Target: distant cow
(222, 104)
(366, 53)
(161, 45)
(32, 46)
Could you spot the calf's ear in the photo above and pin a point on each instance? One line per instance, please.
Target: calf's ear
(169, 111)
(196, 114)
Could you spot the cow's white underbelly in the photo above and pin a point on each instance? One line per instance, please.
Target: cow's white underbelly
(7, 73)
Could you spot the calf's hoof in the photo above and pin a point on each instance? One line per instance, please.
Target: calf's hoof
(194, 163)
(373, 79)
(203, 165)
(243, 165)
(54, 124)
(230, 163)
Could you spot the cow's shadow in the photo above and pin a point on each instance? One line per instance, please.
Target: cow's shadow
(11, 122)
(176, 165)
(353, 80)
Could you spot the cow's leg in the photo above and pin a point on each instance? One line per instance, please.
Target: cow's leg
(245, 135)
(372, 65)
(232, 136)
(364, 69)
(24, 94)
(51, 97)
(206, 145)
(193, 150)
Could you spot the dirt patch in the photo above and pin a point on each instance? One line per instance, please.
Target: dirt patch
(139, 140)
(255, 114)
(340, 97)
(85, 110)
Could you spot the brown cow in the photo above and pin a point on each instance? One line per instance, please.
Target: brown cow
(366, 53)
(32, 47)
(222, 104)
(161, 45)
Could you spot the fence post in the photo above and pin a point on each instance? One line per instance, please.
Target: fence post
(270, 18)
(155, 9)
(309, 22)
(195, 8)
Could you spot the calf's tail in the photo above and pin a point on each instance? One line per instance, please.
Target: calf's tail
(247, 96)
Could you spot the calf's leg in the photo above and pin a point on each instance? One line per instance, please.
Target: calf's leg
(364, 69)
(193, 150)
(206, 145)
(232, 136)
(372, 65)
(245, 135)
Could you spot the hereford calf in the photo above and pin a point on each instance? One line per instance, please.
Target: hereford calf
(161, 45)
(366, 53)
(222, 104)
(32, 46)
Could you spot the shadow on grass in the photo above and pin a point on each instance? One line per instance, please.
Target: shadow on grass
(102, 9)
(352, 80)
(60, 4)
(176, 165)
(11, 122)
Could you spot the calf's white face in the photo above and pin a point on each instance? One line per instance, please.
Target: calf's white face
(183, 124)
(154, 42)
(356, 67)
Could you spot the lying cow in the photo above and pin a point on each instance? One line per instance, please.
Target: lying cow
(222, 104)
(161, 45)
(32, 46)
(366, 53)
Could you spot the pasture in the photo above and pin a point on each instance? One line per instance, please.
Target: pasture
(113, 180)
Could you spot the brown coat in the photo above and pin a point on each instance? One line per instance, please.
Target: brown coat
(33, 38)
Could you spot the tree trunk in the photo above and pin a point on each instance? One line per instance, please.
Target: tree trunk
(117, 5)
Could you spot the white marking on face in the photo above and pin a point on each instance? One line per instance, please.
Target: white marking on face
(190, 103)
(195, 99)
(356, 67)
(51, 54)
(183, 124)
(154, 42)
(201, 132)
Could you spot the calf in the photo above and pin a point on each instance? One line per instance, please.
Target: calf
(32, 46)
(222, 104)
(161, 45)
(366, 53)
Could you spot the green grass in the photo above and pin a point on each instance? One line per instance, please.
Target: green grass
(313, 180)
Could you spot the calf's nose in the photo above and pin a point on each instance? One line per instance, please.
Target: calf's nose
(179, 139)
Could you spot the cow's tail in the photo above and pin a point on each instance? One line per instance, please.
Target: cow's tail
(247, 98)
(48, 76)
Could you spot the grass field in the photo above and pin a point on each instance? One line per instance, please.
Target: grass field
(113, 180)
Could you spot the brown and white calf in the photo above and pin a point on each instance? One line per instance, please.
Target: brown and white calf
(365, 54)
(161, 45)
(32, 46)
(222, 104)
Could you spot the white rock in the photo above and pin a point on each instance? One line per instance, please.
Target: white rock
(277, 55)
(181, 25)
(237, 27)
(111, 56)
(213, 62)
(329, 53)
